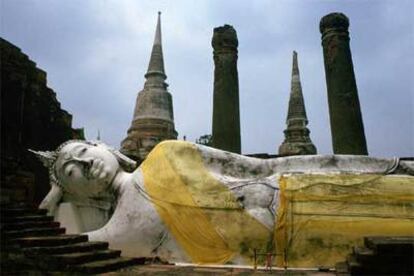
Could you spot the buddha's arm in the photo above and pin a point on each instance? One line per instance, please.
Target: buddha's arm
(50, 202)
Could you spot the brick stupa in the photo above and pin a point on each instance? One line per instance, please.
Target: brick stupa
(153, 119)
(297, 140)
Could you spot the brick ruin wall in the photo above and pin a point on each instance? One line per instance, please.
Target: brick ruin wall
(31, 117)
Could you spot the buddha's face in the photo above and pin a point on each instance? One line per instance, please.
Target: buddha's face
(84, 169)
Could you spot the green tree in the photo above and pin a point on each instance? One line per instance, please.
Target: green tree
(205, 140)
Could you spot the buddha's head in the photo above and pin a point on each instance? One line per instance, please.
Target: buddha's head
(83, 168)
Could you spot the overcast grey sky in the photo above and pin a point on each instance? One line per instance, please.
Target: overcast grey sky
(96, 54)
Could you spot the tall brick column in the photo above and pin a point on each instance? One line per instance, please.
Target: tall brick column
(226, 115)
(347, 128)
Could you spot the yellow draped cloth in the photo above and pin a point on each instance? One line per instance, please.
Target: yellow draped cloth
(201, 213)
(319, 217)
(322, 217)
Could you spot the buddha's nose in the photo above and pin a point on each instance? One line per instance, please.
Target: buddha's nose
(88, 161)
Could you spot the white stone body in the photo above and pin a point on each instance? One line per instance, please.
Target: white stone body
(136, 228)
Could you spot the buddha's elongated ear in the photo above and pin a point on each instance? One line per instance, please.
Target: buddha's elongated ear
(52, 199)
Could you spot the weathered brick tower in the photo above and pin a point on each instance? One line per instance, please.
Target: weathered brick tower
(153, 119)
(31, 118)
(297, 140)
(226, 116)
(347, 128)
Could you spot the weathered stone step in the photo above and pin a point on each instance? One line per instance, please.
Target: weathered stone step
(368, 257)
(18, 212)
(26, 219)
(363, 254)
(29, 224)
(32, 232)
(363, 251)
(71, 248)
(51, 241)
(106, 265)
(57, 261)
(355, 268)
(391, 245)
(381, 256)
(378, 266)
(341, 269)
(353, 265)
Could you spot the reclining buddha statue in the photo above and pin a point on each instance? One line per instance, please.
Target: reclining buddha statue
(191, 203)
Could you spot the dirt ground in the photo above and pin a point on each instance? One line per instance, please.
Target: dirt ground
(156, 269)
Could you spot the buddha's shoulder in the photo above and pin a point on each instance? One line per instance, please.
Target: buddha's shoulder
(173, 145)
(172, 148)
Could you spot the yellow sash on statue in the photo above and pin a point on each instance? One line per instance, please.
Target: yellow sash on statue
(322, 217)
(319, 217)
(202, 214)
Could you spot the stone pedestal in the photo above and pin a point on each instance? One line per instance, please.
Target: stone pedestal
(226, 115)
(347, 128)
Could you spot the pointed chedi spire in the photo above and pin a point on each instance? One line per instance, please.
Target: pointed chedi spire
(296, 109)
(156, 64)
(297, 140)
(153, 119)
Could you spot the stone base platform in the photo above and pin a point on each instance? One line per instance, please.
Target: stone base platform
(159, 269)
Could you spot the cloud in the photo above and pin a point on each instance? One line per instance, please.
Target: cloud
(96, 54)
